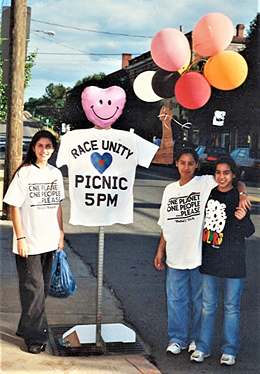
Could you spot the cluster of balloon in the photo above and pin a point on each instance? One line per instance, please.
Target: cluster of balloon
(170, 50)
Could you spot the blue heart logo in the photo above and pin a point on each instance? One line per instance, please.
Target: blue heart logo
(101, 163)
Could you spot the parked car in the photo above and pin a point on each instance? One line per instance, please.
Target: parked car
(2, 144)
(207, 164)
(248, 162)
(25, 146)
(201, 152)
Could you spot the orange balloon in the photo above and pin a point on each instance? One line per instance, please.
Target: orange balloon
(226, 70)
(212, 33)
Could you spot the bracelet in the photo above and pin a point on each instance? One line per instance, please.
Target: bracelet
(242, 193)
(22, 237)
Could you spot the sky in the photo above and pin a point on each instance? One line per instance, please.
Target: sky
(90, 36)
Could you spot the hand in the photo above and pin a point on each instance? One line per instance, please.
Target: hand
(244, 202)
(158, 261)
(60, 245)
(240, 213)
(165, 115)
(22, 248)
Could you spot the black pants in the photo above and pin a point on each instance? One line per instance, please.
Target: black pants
(34, 274)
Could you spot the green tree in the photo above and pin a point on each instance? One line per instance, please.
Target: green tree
(29, 63)
(55, 95)
(50, 105)
(3, 98)
(96, 77)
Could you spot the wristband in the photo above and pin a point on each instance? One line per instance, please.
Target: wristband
(242, 193)
(22, 237)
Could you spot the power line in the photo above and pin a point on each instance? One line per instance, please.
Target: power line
(81, 54)
(75, 49)
(51, 41)
(94, 31)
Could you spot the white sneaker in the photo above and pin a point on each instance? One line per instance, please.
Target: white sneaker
(192, 347)
(227, 359)
(198, 356)
(175, 348)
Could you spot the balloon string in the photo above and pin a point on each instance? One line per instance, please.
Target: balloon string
(185, 125)
(196, 61)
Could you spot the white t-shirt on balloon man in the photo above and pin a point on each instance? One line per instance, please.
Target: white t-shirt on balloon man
(102, 166)
(102, 162)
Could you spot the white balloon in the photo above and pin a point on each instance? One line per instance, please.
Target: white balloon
(143, 87)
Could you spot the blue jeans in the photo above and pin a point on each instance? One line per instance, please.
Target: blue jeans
(211, 287)
(184, 304)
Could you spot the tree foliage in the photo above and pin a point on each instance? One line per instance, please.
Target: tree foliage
(96, 77)
(29, 63)
(50, 105)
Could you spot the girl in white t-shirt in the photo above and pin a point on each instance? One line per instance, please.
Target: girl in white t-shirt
(181, 220)
(35, 195)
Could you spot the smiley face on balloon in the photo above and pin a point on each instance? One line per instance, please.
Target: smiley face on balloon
(103, 106)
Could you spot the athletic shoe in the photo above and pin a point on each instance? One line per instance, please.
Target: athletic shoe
(227, 359)
(192, 347)
(36, 348)
(174, 348)
(198, 356)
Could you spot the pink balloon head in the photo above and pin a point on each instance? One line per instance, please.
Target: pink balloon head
(192, 90)
(103, 106)
(170, 49)
(212, 33)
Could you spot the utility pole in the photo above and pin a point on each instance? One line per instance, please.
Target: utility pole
(15, 93)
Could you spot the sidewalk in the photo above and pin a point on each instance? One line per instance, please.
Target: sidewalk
(79, 308)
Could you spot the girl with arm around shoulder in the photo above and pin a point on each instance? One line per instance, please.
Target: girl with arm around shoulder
(223, 263)
(181, 220)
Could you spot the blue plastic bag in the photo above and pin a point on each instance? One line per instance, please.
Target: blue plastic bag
(62, 281)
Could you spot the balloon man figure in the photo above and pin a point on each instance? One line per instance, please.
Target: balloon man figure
(102, 161)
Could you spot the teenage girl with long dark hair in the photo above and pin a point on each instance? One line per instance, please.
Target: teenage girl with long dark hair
(223, 263)
(35, 195)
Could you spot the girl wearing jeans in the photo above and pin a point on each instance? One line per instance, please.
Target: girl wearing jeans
(181, 220)
(223, 263)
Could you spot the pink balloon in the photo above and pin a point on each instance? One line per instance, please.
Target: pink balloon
(103, 106)
(212, 33)
(170, 49)
(192, 90)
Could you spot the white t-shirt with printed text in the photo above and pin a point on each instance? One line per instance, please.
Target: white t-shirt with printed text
(37, 192)
(181, 219)
(102, 166)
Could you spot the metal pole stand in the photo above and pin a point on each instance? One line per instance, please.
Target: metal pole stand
(99, 340)
(100, 334)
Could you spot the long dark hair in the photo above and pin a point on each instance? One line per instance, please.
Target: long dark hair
(233, 167)
(187, 150)
(30, 157)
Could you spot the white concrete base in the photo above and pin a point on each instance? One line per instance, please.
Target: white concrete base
(110, 332)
